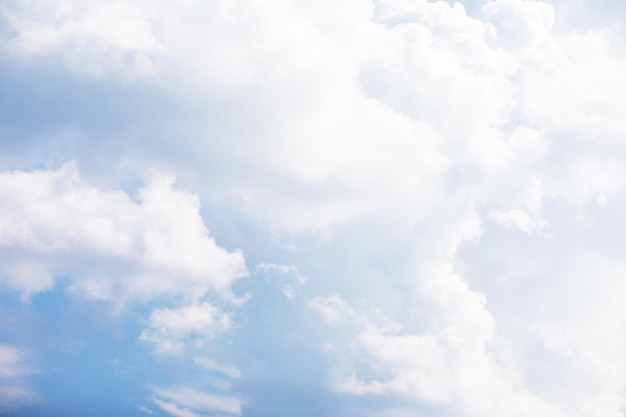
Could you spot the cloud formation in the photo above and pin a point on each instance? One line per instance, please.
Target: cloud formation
(109, 245)
(179, 401)
(170, 329)
(454, 364)
(453, 173)
(94, 38)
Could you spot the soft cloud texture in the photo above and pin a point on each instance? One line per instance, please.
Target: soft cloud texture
(94, 38)
(453, 364)
(170, 329)
(173, 409)
(452, 172)
(111, 246)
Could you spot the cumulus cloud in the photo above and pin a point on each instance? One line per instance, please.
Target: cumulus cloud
(430, 93)
(520, 23)
(171, 329)
(570, 330)
(109, 245)
(95, 38)
(405, 134)
(347, 131)
(451, 364)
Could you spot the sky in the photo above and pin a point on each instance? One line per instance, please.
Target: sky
(355, 208)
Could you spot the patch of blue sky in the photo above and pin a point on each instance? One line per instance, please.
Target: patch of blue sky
(82, 357)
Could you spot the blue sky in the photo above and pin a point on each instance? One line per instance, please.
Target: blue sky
(360, 208)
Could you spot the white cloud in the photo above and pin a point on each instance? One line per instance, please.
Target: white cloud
(578, 318)
(572, 87)
(516, 217)
(146, 410)
(173, 409)
(334, 309)
(110, 246)
(96, 38)
(393, 129)
(183, 399)
(520, 23)
(451, 365)
(367, 111)
(170, 330)
(282, 269)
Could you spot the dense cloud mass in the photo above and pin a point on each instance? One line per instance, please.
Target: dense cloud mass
(424, 199)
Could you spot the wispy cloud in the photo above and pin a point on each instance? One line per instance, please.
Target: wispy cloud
(183, 398)
(173, 409)
(14, 391)
(146, 410)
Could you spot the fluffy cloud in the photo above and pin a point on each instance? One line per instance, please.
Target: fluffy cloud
(410, 135)
(171, 329)
(520, 23)
(557, 309)
(108, 245)
(453, 364)
(430, 97)
(95, 38)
